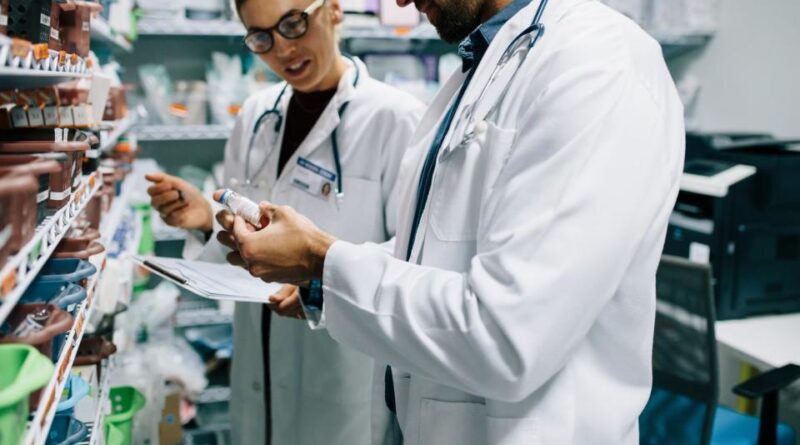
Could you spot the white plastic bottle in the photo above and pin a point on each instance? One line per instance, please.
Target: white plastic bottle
(241, 206)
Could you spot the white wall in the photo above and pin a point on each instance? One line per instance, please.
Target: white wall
(750, 70)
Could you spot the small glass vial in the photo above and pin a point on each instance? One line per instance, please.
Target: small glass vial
(241, 206)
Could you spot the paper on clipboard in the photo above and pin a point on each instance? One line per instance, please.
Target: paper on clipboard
(211, 280)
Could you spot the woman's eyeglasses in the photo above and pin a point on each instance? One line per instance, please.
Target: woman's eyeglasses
(291, 26)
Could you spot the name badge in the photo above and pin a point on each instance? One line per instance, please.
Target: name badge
(313, 179)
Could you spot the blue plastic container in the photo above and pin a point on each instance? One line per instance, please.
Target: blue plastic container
(74, 391)
(70, 270)
(66, 430)
(67, 296)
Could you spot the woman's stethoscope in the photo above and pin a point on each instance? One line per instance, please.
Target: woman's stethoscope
(275, 114)
(522, 44)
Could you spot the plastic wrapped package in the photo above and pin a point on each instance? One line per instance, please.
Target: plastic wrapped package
(636, 10)
(227, 87)
(670, 19)
(157, 88)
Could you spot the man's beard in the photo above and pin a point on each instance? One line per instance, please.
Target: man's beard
(455, 18)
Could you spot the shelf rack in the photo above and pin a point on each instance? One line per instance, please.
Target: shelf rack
(33, 78)
(21, 269)
(158, 133)
(103, 407)
(103, 35)
(39, 427)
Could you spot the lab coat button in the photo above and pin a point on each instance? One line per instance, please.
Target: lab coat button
(481, 127)
(256, 387)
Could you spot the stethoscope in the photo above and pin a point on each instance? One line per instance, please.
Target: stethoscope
(522, 44)
(275, 114)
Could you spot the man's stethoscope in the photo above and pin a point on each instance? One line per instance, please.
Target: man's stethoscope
(275, 114)
(465, 124)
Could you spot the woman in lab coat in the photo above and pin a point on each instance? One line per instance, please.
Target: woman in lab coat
(316, 390)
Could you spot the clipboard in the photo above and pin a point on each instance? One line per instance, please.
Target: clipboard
(210, 280)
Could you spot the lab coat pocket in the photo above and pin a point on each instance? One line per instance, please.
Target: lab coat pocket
(461, 423)
(464, 175)
(503, 431)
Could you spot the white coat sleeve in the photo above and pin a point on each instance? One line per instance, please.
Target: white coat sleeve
(196, 246)
(583, 183)
(402, 125)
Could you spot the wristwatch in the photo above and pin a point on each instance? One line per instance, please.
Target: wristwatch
(312, 295)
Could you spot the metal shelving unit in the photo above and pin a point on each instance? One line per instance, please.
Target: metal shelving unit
(39, 427)
(34, 78)
(22, 268)
(194, 28)
(119, 128)
(103, 406)
(157, 133)
(231, 28)
(103, 35)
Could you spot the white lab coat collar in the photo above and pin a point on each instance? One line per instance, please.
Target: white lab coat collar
(329, 119)
(553, 12)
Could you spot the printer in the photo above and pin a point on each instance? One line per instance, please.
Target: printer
(739, 210)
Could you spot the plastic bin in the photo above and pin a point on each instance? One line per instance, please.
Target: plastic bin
(67, 296)
(24, 371)
(30, 20)
(17, 213)
(40, 168)
(114, 435)
(66, 430)
(93, 350)
(74, 150)
(74, 391)
(49, 340)
(126, 401)
(66, 270)
(79, 243)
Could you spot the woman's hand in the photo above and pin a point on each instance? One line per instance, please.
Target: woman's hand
(286, 302)
(179, 203)
(291, 249)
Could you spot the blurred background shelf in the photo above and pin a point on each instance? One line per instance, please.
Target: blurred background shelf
(103, 36)
(157, 133)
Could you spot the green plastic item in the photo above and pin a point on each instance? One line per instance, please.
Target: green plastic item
(126, 401)
(24, 370)
(114, 436)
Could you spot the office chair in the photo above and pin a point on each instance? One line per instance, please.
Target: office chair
(682, 409)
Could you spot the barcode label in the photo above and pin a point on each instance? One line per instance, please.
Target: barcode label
(54, 33)
(44, 19)
(3, 20)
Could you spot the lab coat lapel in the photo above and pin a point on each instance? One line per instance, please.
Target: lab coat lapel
(489, 63)
(320, 134)
(411, 167)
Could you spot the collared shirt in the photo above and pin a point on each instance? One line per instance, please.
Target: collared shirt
(474, 46)
(471, 49)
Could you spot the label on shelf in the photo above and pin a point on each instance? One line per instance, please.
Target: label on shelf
(50, 116)
(65, 115)
(35, 117)
(19, 117)
(5, 235)
(54, 34)
(80, 115)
